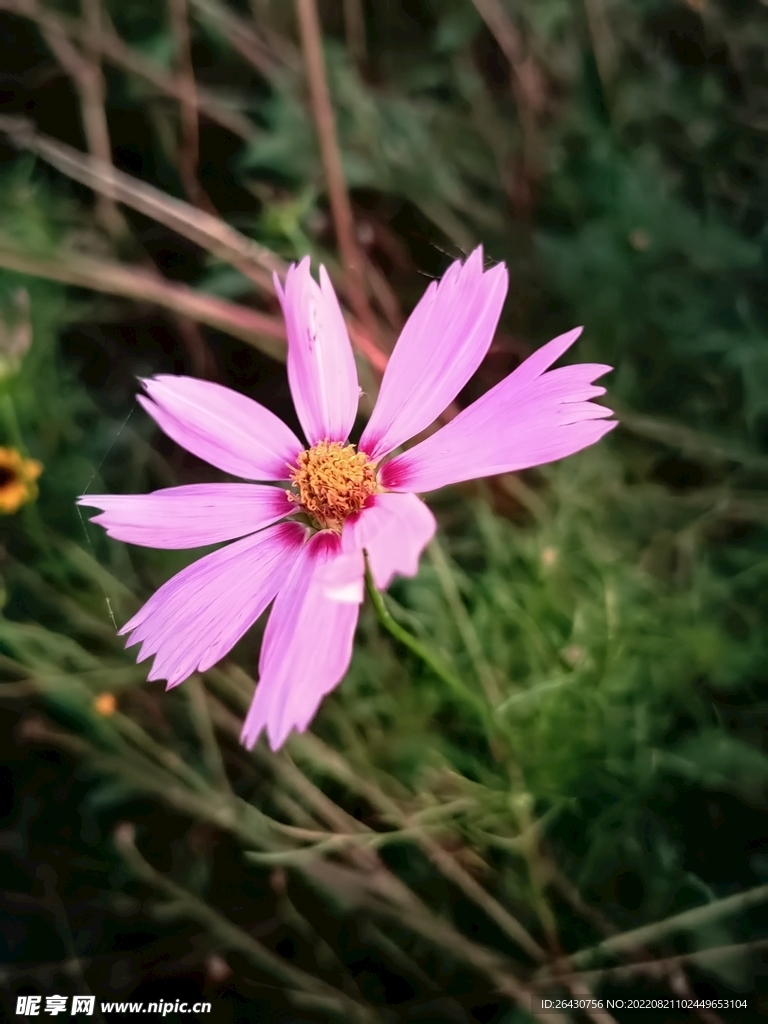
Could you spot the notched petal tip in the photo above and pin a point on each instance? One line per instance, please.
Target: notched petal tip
(534, 416)
(440, 347)
(321, 368)
(196, 618)
(308, 641)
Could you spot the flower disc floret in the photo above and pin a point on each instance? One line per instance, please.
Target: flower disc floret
(333, 481)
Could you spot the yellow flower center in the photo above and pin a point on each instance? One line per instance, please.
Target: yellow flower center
(332, 481)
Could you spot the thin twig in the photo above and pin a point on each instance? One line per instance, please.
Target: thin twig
(408, 640)
(372, 885)
(531, 828)
(265, 51)
(527, 86)
(189, 905)
(466, 628)
(418, 918)
(189, 145)
(204, 727)
(85, 72)
(325, 123)
(94, 100)
(627, 942)
(706, 446)
(354, 29)
(384, 294)
(263, 332)
(603, 44)
(663, 968)
(445, 861)
(211, 233)
(232, 814)
(558, 880)
(117, 53)
(253, 260)
(670, 969)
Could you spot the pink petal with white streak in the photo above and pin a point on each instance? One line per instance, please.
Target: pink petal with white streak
(530, 418)
(221, 426)
(195, 618)
(321, 366)
(394, 529)
(442, 344)
(191, 516)
(307, 644)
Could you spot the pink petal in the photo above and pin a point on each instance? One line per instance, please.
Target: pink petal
(321, 367)
(394, 529)
(530, 418)
(308, 640)
(442, 344)
(195, 618)
(221, 426)
(191, 516)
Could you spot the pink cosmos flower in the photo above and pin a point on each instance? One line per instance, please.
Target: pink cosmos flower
(299, 533)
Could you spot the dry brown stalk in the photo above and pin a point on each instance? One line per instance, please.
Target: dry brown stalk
(527, 85)
(325, 123)
(191, 906)
(354, 29)
(266, 55)
(84, 69)
(628, 942)
(211, 233)
(384, 294)
(369, 884)
(445, 861)
(93, 102)
(207, 231)
(121, 56)
(663, 968)
(189, 145)
(264, 332)
(603, 43)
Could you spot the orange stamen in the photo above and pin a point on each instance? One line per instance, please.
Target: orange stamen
(333, 481)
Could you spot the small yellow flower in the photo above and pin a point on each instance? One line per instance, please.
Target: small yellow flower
(105, 704)
(17, 480)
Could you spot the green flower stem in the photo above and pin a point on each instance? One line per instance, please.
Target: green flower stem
(416, 647)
